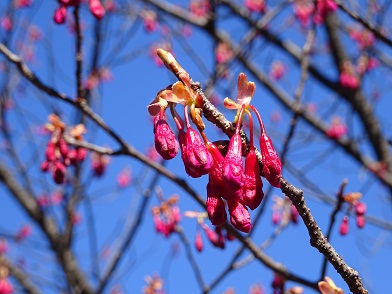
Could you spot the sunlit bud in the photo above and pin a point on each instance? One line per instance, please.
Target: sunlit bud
(360, 208)
(215, 206)
(81, 154)
(96, 9)
(252, 193)
(360, 221)
(165, 140)
(50, 152)
(232, 170)
(328, 287)
(239, 216)
(197, 159)
(343, 230)
(60, 15)
(58, 172)
(198, 242)
(272, 167)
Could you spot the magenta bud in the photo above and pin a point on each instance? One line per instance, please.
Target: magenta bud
(60, 15)
(96, 9)
(81, 154)
(252, 192)
(58, 172)
(165, 140)
(194, 153)
(63, 146)
(198, 242)
(50, 152)
(239, 217)
(45, 166)
(343, 230)
(360, 221)
(360, 208)
(272, 167)
(215, 206)
(232, 170)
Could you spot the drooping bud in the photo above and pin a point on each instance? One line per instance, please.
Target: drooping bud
(63, 147)
(360, 221)
(343, 230)
(50, 152)
(60, 15)
(197, 159)
(239, 216)
(96, 9)
(58, 172)
(272, 166)
(252, 192)
(215, 206)
(221, 238)
(360, 208)
(198, 242)
(45, 166)
(232, 170)
(165, 140)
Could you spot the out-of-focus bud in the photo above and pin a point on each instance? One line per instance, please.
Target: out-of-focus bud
(343, 230)
(198, 242)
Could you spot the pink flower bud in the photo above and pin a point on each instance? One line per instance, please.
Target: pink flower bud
(211, 235)
(96, 9)
(276, 216)
(81, 154)
(45, 166)
(165, 140)
(63, 146)
(232, 170)
(198, 242)
(360, 208)
(159, 225)
(176, 214)
(6, 287)
(360, 221)
(252, 192)
(272, 167)
(50, 152)
(60, 15)
(343, 230)
(58, 172)
(221, 238)
(239, 216)
(215, 206)
(23, 233)
(197, 159)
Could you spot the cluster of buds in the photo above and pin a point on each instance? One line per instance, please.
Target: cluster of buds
(166, 215)
(58, 155)
(359, 210)
(216, 236)
(230, 182)
(60, 15)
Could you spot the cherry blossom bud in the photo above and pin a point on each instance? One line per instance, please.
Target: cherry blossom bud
(221, 238)
(239, 216)
(232, 170)
(211, 235)
(165, 140)
(58, 172)
(252, 194)
(229, 236)
(276, 216)
(198, 242)
(81, 154)
(197, 159)
(50, 152)
(159, 225)
(5, 286)
(63, 147)
(176, 214)
(96, 9)
(360, 221)
(360, 208)
(272, 167)
(343, 230)
(60, 15)
(23, 233)
(45, 166)
(215, 206)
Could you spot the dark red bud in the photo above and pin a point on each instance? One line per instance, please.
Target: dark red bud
(272, 167)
